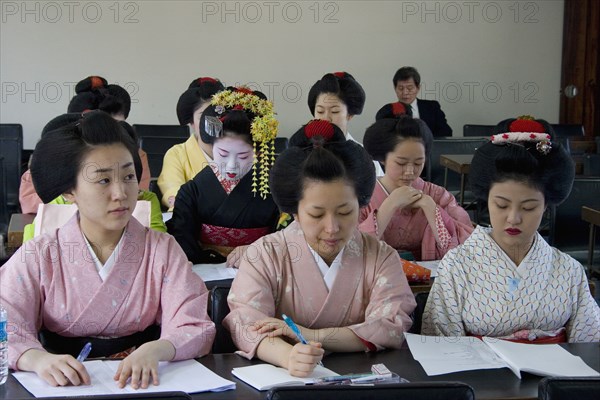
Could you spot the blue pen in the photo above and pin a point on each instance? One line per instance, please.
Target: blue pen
(288, 321)
(85, 352)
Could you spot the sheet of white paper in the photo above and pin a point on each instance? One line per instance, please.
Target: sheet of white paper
(546, 360)
(167, 216)
(266, 376)
(214, 272)
(442, 355)
(187, 376)
(432, 265)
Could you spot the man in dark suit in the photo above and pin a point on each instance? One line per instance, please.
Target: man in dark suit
(407, 83)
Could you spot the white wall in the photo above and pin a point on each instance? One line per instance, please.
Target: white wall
(483, 60)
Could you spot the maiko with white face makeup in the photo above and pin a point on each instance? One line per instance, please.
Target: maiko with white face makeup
(233, 157)
(228, 206)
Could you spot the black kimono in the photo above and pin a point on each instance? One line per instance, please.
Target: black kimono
(208, 223)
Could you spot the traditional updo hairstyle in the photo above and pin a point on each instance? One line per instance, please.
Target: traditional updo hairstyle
(71, 118)
(384, 135)
(344, 86)
(523, 151)
(236, 120)
(59, 153)
(393, 110)
(320, 153)
(94, 93)
(198, 93)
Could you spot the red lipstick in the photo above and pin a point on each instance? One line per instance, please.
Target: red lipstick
(512, 231)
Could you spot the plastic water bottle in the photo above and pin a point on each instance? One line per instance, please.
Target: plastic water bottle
(3, 347)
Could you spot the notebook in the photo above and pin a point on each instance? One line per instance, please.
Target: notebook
(445, 354)
(267, 376)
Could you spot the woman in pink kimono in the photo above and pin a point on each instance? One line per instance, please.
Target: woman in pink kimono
(405, 211)
(102, 277)
(345, 290)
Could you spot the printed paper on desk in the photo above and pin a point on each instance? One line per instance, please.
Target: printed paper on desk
(186, 376)
(214, 272)
(445, 354)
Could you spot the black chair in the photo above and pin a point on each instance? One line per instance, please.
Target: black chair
(569, 231)
(413, 391)
(470, 130)
(11, 147)
(417, 314)
(156, 147)
(568, 130)
(555, 388)
(180, 131)
(435, 171)
(218, 310)
(281, 143)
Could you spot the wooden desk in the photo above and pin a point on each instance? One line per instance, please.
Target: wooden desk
(15, 230)
(460, 163)
(593, 217)
(488, 384)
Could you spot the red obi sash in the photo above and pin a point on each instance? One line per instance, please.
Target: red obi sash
(230, 237)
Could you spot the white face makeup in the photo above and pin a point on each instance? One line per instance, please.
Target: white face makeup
(233, 157)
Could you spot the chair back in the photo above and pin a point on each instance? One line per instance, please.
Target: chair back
(52, 216)
(568, 130)
(569, 231)
(144, 130)
(413, 391)
(281, 143)
(450, 146)
(417, 314)
(4, 214)
(559, 388)
(11, 148)
(218, 310)
(471, 130)
(156, 147)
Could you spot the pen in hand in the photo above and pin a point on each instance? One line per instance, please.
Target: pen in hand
(288, 321)
(85, 352)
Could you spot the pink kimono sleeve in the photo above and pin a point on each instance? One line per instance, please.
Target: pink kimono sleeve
(387, 315)
(28, 197)
(456, 221)
(252, 298)
(21, 296)
(368, 220)
(184, 301)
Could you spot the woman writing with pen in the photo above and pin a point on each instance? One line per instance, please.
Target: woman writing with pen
(345, 290)
(102, 277)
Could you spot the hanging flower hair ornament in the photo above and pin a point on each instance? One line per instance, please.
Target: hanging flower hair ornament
(263, 130)
(525, 129)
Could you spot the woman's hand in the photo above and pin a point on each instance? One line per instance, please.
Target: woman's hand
(277, 327)
(303, 358)
(56, 369)
(425, 202)
(235, 257)
(142, 365)
(404, 196)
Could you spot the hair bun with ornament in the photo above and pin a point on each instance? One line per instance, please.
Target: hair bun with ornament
(317, 133)
(522, 151)
(525, 131)
(343, 86)
(393, 110)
